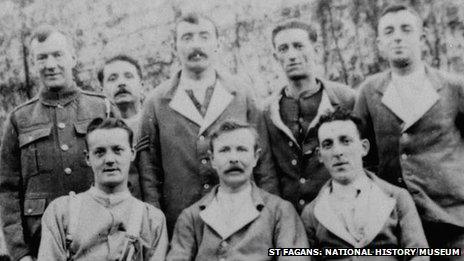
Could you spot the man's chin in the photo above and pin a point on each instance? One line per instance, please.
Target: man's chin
(401, 62)
(297, 76)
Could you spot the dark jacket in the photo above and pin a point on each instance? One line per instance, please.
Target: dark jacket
(173, 152)
(275, 225)
(426, 156)
(42, 158)
(298, 168)
(393, 223)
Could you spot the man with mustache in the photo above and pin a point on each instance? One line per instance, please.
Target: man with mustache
(43, 142)
(236, 220)
(104, 222)
(178, 115)
(414, 115)
(121, 79)
(293, 111)
(356, 209)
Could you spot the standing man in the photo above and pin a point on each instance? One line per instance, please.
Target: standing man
(121, 79)
(236, 220)
(356, 209)
(43, 143)
(413, 113)
(104, 222)
(180, 113)
(294, 110)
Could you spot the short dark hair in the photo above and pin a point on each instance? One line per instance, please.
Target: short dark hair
(108, 123)
(194, 18)
(42, 32)
(232, 125)
(294, 24)
(119, 57)
(394, 8)
(340, 114)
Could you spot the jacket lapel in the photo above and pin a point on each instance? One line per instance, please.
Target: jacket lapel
(184, 105)
(274, 114)
(329, 218)
(220, 99)
(324, 107)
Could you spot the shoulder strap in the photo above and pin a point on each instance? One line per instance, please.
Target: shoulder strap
(73, 219)
(135, 219)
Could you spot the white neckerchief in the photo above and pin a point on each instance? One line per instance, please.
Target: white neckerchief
(198, 87)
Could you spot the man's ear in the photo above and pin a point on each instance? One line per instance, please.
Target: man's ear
(318, 153)
(133, 154)
(87, 159)
(366, 146)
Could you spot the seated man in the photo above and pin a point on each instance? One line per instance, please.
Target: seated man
(236, 220)
(355, 208)
(105, 222)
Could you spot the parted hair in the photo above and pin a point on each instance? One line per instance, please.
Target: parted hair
(108, 123)
(340, 114)
(294, 24)
(119, 57)
(194, 18)
(229, 126)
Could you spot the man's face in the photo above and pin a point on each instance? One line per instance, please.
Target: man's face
(196, 45)
(400, 38)
(234, 157)
(109, 155)
(53, 60)
(341, 150)
(295, 53)
(121, 82)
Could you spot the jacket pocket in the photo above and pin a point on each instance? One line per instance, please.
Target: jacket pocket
(81, 126)
(30, 151)
(34, 207)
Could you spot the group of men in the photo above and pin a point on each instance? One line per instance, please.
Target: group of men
(202, 152)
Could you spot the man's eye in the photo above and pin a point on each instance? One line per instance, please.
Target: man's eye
(204, 36)
(298, 46)
(129, 75)
(282, 48)
(224, 150)
(326, 145)
(41, 57)
(112, 78)
(186, 37)
(242, 149)
(346, 141)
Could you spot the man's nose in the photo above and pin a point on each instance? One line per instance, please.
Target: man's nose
(50, 62)
(233, 157)
(109, 158)
(337, 149)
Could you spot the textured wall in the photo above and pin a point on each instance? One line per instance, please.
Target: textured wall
(143, 28)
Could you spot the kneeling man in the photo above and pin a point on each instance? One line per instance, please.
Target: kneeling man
(236, 220)
(105, 222)
(355, 208)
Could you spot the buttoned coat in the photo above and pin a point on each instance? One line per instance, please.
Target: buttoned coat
(173, 152)
(393, 223)
(276, 224)
(300, 173)
(425, 156)
(42, 158)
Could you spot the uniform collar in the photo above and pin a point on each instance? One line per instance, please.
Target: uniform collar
(59, 98)
(108, 200)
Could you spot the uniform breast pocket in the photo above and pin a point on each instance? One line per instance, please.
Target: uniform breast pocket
(35, 147)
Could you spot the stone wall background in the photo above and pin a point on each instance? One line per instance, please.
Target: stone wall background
(144, 29)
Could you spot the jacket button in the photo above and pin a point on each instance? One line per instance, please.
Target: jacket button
(204, 161)
(206, 186)
(64, 147)
(224, 244)
(61, 125)
(67, 171)
(302, 180)
(301, 202)
(202, 138)
(29, 210)
(404, 156)
(400, 180)
(294, 162)
(290, 143)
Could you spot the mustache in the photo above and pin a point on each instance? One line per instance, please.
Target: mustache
(195, 53)
(122, 90)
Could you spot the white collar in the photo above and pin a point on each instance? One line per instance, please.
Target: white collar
(188, 83)
(350, 191)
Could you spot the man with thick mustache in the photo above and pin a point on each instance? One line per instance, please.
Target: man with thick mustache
(236, 220)
(356, 209)
(121, 79)
(43, 143)
(177, 116)
(294, 110)
(414, 115)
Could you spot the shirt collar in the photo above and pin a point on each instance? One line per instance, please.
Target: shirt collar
(186, 83)
(351, 190)
(62, 97)
(109, 200)
(415, 78)
(305, 94)
(255, 196)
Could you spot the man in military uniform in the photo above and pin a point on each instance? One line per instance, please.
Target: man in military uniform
(43, 144)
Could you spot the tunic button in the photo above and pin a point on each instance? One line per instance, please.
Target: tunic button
(290, 144)
(400, 180)
(404, 135)
(301, 202)
(64, 147)
(404, 156)
(302, 180)
(67, 171)
(206, 186)
(294, 162)
(61, 125)
(202, 138)
(204, 161)
(224, 244)
(29, 210)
